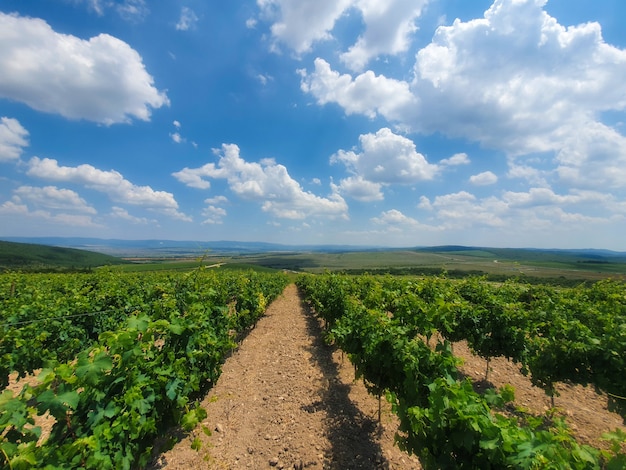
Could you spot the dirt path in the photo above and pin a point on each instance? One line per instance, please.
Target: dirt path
(286, 400)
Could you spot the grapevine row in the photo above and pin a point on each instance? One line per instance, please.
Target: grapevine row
(556, 335)
(137, 380)
(443, 420)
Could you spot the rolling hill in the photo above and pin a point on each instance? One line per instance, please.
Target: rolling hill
(28, 256)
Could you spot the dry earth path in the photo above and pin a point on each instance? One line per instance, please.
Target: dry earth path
(286, 400)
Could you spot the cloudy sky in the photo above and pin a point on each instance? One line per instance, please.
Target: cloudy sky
(364, 122)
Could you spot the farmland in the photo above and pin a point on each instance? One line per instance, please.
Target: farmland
(125, 353)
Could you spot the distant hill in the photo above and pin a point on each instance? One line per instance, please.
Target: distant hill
(189, 248)
(29, 256)
(174, 248)
(586, 255)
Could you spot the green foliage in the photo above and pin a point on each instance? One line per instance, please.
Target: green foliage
(574, 335)
(115, 394)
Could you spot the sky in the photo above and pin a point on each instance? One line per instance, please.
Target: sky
(363, 122)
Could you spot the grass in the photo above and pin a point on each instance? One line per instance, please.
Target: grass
(32, 257)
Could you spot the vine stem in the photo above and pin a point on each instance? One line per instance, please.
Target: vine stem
(7, 458)
(615, 396)
(380, 424)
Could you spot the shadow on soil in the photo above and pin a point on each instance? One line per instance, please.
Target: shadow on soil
(351, 433)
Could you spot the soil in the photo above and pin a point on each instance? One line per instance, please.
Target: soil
(287, 400)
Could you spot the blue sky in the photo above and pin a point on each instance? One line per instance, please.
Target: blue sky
(363, 122)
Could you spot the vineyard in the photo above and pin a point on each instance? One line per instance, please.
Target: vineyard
(388, 326)
(122, 358)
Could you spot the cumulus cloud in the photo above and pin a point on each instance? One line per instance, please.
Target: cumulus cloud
(53, 198)
(111, 183)
(525, 212)
(121, 213)
(13, 139)
(216, 200)
(514, 80)
(360, 189)
(367, 94)
(455, 160)
(265, 182)
(389, 25)
(524, 103)
(593, 155)
(101, 79)
(19, 211)
(384, 158)
(395, 218)
(213, 214)
(463, 210)
(187, 20)
(483, 179)
(301, 23)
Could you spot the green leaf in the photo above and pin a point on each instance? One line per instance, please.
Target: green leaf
(171, 389)
(58, 405)
(196, 444)
(139, 323)
(92, 369)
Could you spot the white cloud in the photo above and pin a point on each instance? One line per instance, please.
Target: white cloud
(593, 156)
(187, 20)
(111, 183)
(389, 25)
(213, 214)
(387, 158)
(395, 218)
(101, 79)
(267, 183)
(176, 124)
(455, 160)
(525, 215)
(195, 177)
(483, 179)
(13, 138)
(463, 210)
(18, 211)
(515, 80)
(216, 200)
(53, 198)
(301, 23)
(360, 189)
(532, 175)
(121, 213)
(131, 10)
(367, 94)
(264, 79)
(524, 103)
(176, 137)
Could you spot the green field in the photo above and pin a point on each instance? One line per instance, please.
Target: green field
(499, 262)
(27, 256)
(455, 261)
